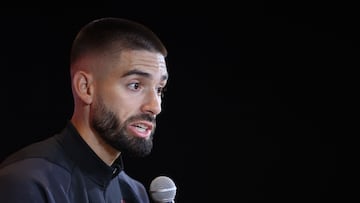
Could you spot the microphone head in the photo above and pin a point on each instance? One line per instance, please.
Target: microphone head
(162, 189)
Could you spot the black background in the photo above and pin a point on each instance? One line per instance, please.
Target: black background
(255, 98)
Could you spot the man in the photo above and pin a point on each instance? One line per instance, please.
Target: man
(118, 74)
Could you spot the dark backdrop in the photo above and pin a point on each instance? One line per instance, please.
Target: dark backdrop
(253, 103)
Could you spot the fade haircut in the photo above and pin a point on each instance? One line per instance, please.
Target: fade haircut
(102, 34)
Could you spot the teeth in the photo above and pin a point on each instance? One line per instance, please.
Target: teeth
(141, 127)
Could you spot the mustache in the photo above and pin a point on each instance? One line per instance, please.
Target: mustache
(146, 117)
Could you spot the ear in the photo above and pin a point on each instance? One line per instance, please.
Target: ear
(82, 85)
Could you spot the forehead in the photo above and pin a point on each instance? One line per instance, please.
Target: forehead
(143, 60)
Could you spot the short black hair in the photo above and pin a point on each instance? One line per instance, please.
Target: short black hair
(103, 33)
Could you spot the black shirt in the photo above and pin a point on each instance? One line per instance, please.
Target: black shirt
(64, 169)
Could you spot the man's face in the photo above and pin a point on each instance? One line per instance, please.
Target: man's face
(128, 99)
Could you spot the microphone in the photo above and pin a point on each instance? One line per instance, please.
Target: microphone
(163, 190)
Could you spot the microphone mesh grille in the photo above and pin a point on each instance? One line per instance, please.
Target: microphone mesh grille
(162, 189)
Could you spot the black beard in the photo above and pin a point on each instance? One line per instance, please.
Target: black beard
(114, 133)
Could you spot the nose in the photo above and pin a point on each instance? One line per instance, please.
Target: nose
(152, 103)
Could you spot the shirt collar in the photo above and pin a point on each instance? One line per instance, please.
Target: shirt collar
(86, 159)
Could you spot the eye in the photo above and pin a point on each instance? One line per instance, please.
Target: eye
(134, 86)
(161, 91)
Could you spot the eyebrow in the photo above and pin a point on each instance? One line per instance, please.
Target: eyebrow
(144, 74)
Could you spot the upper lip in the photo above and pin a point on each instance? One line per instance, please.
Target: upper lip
(148, 125)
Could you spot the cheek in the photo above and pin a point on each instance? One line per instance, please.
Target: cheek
(124, 107)
(121, 102)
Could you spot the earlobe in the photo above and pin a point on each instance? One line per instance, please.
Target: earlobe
(82, 86)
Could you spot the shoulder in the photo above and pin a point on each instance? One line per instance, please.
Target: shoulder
(39, 163)
(32, 168)
(29, 180)
(48, 151)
